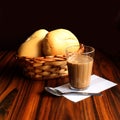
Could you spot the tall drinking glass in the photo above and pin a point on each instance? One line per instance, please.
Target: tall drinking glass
(80, 66)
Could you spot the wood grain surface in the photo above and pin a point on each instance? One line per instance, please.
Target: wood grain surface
(25, 99)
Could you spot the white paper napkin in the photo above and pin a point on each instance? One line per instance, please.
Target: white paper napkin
(98, 84)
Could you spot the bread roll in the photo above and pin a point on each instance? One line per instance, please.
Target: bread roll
(56, 42)
(32, 46)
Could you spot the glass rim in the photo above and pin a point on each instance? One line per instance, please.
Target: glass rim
(84, 53)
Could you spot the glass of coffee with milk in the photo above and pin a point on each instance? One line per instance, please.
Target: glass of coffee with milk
(80, 63)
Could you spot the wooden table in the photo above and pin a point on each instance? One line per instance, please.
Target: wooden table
(24, 99)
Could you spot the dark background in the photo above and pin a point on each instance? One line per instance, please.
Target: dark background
(94, 22)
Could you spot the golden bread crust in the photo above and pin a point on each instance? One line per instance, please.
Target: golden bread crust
(57, 41)
(32, 46)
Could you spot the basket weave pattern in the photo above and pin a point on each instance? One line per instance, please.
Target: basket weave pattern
(41, 68)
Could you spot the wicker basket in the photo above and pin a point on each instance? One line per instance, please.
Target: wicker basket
(42, 68)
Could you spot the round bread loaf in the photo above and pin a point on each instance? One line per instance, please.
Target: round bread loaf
(56, 42)
(32, 46)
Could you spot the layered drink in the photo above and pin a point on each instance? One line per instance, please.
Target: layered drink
(80, 69)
